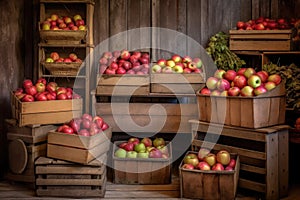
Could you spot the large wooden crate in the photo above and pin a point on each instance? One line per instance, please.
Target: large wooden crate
(45, 112)
(172, 83)
(201, 184)
(260, 111)
(135, 85)
(85, 8)
(142, 170)
(168, 113)
(25, 145)
(263, 154)
(57, 178)
(261, 40)
(76, 148)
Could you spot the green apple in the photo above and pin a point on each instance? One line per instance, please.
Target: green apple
(254, 81)
(140, 147)
(148, 149)
(143, 155)
(49, 60)
(178, 69)
(156, 68)
(170, 63)
(120, 153)
(131, 154)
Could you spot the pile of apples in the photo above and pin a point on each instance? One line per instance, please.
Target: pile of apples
(43, 91)
(244, 82)
(55, 58)
(206, 160)
(264, 23)
(178, 64)
(86, 125)
(142, 148)
(124, 62)
(55, 22)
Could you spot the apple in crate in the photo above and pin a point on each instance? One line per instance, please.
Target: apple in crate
(143, 154)
(147, 142)
(155, 153)
(223, 157)
(159, 142)
(191, 158)
(120, 153)
(131, 154)
(218, 167)
(210, 159)
(140, 147)
(188, 166)
(204, 166)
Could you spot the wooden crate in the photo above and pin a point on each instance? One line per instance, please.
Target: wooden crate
(142, 170)
(76, 148)
(260, 40)
(168, 114)
(201, 184)
(25, 145)
(123, 85)
(57, 178)
(62, 68)
(172, 83)
(250, 112)
(45, 112)
(85, 8)
(263, 154)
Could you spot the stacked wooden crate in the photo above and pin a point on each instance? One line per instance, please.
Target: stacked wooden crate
(252, 127)
(25, 145)
(72, 74)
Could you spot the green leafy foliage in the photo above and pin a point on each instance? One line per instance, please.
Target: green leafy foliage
(219, 51)
(291, 76)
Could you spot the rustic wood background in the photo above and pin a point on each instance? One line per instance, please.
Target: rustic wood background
(199, 19)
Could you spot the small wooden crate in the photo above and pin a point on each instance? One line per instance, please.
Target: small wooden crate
(45, 112)
(172, 83)
(25, 145)
(123, 85)
(168, 114)
(260, 40)
(250, 112)
(76, 148)
(85, 8)
(200, 184)
(263, 154)
(142, 170)
(57, 178)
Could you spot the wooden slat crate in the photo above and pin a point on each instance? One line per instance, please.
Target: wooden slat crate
(250, 112)
(172, 83)
(25, 145)
(135, 85)
(171, 113)
(263, 154)
(76, 148)
(85, 8)
(56, 178)
(142, 170)
(260, 40)
(200, 184)
(45, 112)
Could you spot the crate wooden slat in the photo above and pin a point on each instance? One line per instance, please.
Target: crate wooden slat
(45, 112)
(201, 184)
(264, 163)
(57, 178)
(176, 83)
(79, 149)
(142, 170)
(261, 40)
(176, 115)
(123, 85)
(262, 111)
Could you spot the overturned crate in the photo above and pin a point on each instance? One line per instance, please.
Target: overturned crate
(57, 178)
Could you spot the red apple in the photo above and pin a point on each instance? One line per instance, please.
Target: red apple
(230, 75)
(260, 90)
(240, 81)
(129, 146)
(155, 153)
(98, 121)
(188, 166)
(61, 96)
(203, 166)
(232, 163)
(54, 56)
(205, 91)
(84, 132)
(241, 71)
(247, 91)
(27, 83)
(234, 91)
(41, 97)
(263, 75)
(125, 54)
(51, 87)
(223, 84)
(73, 56)
(31, 90)
(147, 142)
(133, 140)
(218, 167)
(275, 78)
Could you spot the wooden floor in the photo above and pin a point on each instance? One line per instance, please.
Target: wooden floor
(13, 190)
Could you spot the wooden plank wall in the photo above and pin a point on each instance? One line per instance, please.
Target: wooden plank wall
(198, 19)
